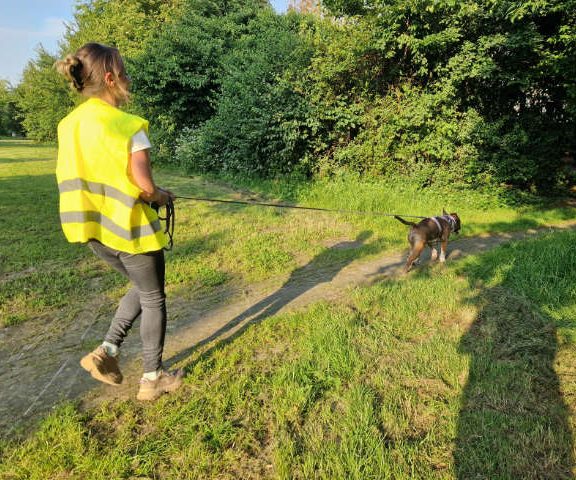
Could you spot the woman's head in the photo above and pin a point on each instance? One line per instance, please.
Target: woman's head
(96, 70)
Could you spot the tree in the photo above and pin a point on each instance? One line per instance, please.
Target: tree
(260, 125)
(9, 123)
(505, 69)
(42, 97)
(306, 6)
(125, 24)
(177, 75)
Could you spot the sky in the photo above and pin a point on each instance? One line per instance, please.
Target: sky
(26, 24)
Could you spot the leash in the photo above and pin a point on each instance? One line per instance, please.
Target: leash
(170, 216)
(284, 205)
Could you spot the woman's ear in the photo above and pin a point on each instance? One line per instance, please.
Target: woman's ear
(109, 79)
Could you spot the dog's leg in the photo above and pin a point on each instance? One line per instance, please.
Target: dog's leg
(433, 253)
(443, 246)
(415, 252)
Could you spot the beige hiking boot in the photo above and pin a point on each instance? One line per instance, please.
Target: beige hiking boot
(166, 382)
(102, 366)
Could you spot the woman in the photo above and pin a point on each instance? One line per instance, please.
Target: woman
(106, 185)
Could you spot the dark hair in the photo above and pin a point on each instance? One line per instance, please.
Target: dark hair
(87, 68)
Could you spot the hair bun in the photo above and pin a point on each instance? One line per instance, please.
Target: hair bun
(71, 68)
(72, 60)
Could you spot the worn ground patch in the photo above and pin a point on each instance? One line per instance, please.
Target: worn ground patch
(41, 357)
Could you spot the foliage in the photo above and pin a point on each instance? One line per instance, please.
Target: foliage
(42, 97)
(411, 132)
(483, 88)
(480, 92)
(126, 24)
(472, 92)
(506, 69)
(260, 121)
(9, 123)
(178, 72)
(345, 7)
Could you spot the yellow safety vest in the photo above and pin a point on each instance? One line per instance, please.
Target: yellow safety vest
(98, 199)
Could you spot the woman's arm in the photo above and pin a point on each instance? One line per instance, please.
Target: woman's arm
(141, 172)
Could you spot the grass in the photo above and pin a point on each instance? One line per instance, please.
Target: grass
(218, 245)
(457, 371)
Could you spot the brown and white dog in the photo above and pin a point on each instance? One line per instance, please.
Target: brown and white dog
(430, 231)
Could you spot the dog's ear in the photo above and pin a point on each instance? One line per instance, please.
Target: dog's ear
(457, 220)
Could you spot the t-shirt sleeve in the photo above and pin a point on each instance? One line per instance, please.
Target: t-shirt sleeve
(140, 141)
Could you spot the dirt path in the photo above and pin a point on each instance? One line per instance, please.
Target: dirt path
(40, 359)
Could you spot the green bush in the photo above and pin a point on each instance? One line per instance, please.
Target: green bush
(178, 74)
(412, 132)
(259, 126)
(478, 92)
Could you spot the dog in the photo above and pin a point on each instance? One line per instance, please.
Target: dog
(430, 231)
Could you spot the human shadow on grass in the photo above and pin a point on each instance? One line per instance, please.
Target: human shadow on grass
(513, 421)
(321, 269)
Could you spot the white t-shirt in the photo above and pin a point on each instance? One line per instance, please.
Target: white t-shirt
(140, 141)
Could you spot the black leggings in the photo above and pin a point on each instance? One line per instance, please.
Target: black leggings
(146, 271)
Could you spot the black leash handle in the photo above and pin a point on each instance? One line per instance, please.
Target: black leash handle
(169, 218)
(284, 205)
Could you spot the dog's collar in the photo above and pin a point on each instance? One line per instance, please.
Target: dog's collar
(450, 220)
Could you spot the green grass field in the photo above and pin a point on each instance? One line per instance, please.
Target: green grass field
(459, 372)
(217, 244)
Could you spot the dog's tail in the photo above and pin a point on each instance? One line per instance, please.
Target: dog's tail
(405, 222)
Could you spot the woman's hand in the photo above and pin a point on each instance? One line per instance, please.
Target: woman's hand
(163, 196)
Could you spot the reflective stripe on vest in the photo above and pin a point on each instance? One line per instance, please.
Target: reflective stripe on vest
(98, 188)
(97, 217)
(98, 200)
